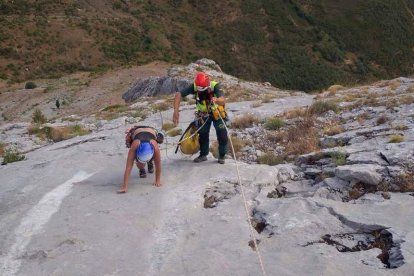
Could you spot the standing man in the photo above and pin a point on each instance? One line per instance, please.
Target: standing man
(209, 103)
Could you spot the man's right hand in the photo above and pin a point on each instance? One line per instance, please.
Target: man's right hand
(176, 117)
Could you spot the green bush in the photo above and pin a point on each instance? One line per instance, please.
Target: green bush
(11, 156)
(30, 85)
(274, 123)
(38, 117)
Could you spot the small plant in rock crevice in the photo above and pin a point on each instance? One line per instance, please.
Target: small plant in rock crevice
(338, 158)
(11, 156)
(396, 139)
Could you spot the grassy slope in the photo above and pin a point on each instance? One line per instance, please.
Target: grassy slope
(291, 43)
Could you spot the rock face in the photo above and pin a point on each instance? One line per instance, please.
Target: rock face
(154, 86)
(181, 76)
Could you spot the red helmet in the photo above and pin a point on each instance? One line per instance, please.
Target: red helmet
(202, 81)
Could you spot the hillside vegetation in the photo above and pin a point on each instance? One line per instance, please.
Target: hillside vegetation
(293, 44)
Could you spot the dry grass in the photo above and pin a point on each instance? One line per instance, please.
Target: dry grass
(405, 182)
(410, 89)
(400, 127)
(406, 99)
(238, 144)
(390, 103)
(302, 138)
(334, 88)
(396, 139)
(270, 159)
(331, 130)
(162, 106)
(394, 84)
(320, 107)
(168, 125)
(349, 98)
(382, 119)
(244, 121)
(267, 99)
(295, 113)
(57, 134)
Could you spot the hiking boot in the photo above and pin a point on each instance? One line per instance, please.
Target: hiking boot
(200, 159)
(150, 167)
(142, 173)
(221, 160)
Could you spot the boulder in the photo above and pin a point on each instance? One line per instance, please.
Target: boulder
(365, 173)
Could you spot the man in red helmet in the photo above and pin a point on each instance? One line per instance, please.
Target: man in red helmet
(209, 101)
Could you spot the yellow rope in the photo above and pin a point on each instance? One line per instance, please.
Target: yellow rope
(246, 208)
(245, 202)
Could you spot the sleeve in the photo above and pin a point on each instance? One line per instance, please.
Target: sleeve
(187, 91)
(218, 92)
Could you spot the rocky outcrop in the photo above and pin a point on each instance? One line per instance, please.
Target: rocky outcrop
(180, 76)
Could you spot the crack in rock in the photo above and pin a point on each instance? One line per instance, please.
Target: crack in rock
(391, 255)
(219, 191)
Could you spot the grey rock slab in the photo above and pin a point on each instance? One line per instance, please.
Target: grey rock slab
(366, 158)
(365, 173)
(399, 153)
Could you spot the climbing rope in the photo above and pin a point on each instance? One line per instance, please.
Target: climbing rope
(246, 208)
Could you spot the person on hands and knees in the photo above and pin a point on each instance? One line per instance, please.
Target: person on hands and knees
(143, 149)
(210, 105)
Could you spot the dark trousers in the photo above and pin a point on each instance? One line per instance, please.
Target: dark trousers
(222, 137)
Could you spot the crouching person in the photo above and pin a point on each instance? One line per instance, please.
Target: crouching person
(143, 149)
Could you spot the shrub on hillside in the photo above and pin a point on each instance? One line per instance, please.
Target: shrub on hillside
(302, 138)
(38, 117)
(274, 123)
(30, 85)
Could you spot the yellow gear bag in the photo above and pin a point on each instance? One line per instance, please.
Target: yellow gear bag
(189, 145)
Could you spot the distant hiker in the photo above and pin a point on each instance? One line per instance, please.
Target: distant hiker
(57, 104)
(142, 142)
(209, 103)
